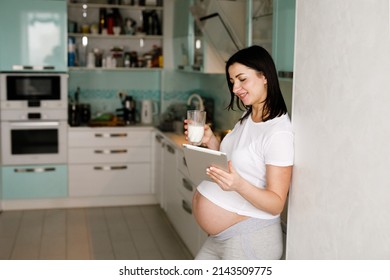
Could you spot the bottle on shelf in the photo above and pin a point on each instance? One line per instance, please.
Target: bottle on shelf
(110, 22)
(71, 51)
(102, 20)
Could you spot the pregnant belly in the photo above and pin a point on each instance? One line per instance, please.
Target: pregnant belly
(212, 218)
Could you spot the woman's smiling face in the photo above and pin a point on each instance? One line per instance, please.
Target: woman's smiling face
(248, 84)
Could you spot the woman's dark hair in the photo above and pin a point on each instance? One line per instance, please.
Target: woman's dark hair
(257, 58)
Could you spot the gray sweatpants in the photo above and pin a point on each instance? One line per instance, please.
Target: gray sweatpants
(251, 239)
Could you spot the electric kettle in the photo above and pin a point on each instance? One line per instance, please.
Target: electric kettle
(148, 110)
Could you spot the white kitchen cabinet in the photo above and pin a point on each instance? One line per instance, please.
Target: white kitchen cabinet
(110, 161)
(158, 150)
(140, 32)
(186, 226)
(169, 174)
(178, 192)
(193, 235)
(108, 179)
(179, 208)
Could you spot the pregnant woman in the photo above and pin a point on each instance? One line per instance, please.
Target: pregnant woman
(240, 209)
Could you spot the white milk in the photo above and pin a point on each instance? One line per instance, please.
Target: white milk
(195, 133)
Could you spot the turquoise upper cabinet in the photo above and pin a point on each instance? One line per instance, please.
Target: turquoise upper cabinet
(283, 36)
(183, 35)
(33, 35)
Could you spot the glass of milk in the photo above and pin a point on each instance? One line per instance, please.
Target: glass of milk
(195, 126)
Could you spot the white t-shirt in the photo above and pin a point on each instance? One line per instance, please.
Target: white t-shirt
(250, 146)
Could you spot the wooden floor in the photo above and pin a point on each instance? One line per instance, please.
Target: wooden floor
(130, 232)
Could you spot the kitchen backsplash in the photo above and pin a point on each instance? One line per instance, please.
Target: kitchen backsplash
(101, 88)
(108, 100)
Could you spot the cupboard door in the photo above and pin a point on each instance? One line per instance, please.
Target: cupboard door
(158, 149)
(185, 224)
(283, 35)
(34, 181)
(33, 34)
(109, 138)
(109, 179)
(109, 154)
(169, 179)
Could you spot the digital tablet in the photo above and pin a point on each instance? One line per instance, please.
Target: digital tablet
(198, 159)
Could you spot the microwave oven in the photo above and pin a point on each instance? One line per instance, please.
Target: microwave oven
(33, 90)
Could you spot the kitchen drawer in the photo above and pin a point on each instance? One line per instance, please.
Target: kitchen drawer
(34, 181)
(181, 163)
(185, 187)
(109, 154)
(109, 179)
(185, 224)
(112, 138)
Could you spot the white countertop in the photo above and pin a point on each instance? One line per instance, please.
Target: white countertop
(88, 128)
(177, 139)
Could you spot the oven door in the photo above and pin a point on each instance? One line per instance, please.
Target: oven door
(33, 142)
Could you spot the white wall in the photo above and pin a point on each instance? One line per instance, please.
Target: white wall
(339, 204)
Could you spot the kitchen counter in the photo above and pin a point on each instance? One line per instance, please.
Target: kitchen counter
(112, 126)
(180, 139)
(176, 139)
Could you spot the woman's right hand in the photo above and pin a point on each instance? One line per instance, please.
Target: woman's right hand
(208, 139)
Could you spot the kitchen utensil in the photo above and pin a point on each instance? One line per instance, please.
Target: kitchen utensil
(148, 110)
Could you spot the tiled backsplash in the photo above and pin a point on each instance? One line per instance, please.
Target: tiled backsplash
(101, 88)
(109, 101)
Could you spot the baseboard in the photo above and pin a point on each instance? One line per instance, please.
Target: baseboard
(78, 202)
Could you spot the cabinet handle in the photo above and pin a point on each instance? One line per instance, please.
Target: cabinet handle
(186, 206)
(184, 162)
(170, 149)
(30, 67)
(109, 135)
(35, 124)
(107, 168)
(34, 170)
(111, 151)
(187, 185)
(159, 138)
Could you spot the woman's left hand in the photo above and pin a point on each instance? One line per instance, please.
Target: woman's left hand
(228, 181)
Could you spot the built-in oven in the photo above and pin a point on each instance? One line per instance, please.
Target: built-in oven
(33, 113)
(32, 90)
(34, 142)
